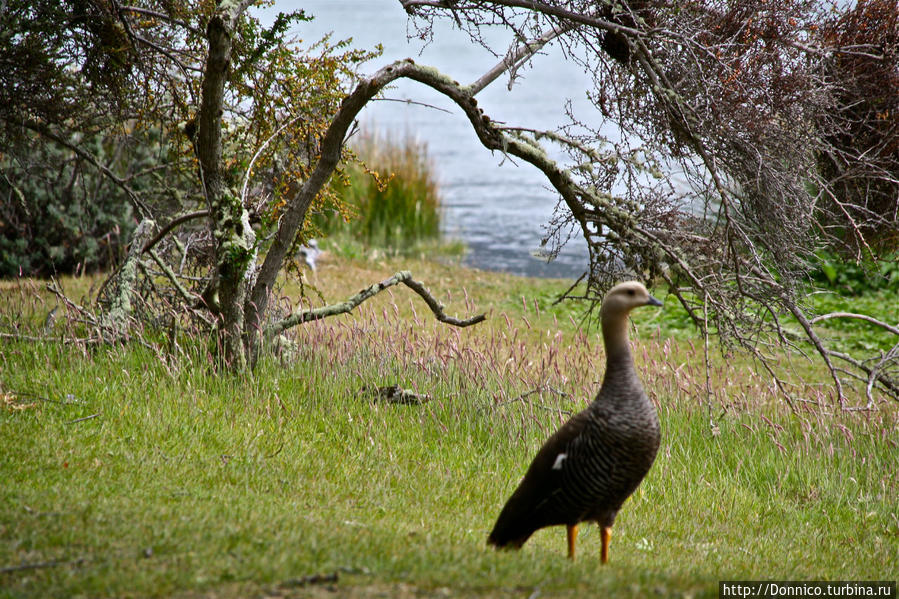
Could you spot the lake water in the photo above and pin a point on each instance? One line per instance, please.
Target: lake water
(498, 208)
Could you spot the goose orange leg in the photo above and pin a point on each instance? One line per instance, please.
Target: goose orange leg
(572, 539)
(606, 535)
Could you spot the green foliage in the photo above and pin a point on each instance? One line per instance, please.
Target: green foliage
(302, 88)
(857, 278)
(267, 40)
(58, 214)
(391, 198)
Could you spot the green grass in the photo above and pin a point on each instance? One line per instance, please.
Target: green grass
(190, 483)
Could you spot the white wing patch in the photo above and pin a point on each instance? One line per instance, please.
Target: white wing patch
(559, 459)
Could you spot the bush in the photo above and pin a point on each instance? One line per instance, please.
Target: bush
(58, 215)
(390, 198)
(857, 278)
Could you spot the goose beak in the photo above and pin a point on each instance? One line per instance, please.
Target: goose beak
(654, 302)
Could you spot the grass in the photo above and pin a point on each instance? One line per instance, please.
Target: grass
(123, 475)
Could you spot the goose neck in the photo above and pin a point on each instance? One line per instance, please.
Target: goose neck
(615, 339)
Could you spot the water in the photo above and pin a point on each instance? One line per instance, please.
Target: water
(497, 207)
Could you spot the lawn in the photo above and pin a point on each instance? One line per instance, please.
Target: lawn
(129, 473)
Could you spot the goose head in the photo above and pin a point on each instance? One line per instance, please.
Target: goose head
(624, 297)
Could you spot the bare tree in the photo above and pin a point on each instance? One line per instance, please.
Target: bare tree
(720, 116)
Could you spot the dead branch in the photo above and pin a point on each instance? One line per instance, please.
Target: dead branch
(91, 417)
(42, 339)
(352, 302)
(184, 293)
(42, 565)
(515, 57)
(537, 390)
(894, 330)
(891, 386)
(174, 223)
(694, 86)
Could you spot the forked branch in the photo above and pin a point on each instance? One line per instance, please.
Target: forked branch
(404, 277)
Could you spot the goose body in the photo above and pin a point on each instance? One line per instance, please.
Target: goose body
(587, 469)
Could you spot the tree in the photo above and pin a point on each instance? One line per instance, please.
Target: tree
(756, 105)
(738, 98)
(861, 157)
(245, 118)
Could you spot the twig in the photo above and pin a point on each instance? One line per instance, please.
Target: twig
(435, 306)
(185, 294)
(889, 384)
(92, 416)
(865, 317)
(413, 103)
(246, 177)
(819, 345)
(515, 57)
(565, 295)
(175, 222)
(39, 565)
(542, 388)
(547, 9)
(18, 337)
(873, 372)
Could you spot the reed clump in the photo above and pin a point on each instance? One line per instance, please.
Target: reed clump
(390, 197)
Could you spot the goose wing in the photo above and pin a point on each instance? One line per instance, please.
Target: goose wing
(534, 503)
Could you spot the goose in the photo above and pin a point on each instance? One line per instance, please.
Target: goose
(595, 461)
(310, 253)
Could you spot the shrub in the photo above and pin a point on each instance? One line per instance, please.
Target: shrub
(857, 278)
(57, 214)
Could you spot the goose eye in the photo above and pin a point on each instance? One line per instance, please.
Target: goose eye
(630, 292)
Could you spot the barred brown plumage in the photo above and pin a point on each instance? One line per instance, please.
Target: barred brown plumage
(595, 461)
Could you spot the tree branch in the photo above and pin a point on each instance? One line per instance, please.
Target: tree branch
(158, 15)
(346, 306)
(45, 131)
(541, 7)
(894, 330)
(489, 135)
(515, 57)
(175, 222)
